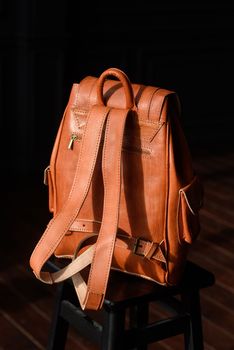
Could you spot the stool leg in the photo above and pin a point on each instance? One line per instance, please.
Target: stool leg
(138, 317)
(113, 329)
(194, 334)
(59, 327)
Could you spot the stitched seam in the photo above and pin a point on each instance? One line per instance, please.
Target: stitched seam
(117, 213)
(150, 104)
(95, 293)
(150, 100)
(146, 94)
(115, 222)
(77, 229)
(75, 180)
(144, 121)
(90, 92)
(79, 88)
(116, 216)
(81, 154)
(76, 110)
(88, 220)
(104, 206)
(78, 130)
(77, 94)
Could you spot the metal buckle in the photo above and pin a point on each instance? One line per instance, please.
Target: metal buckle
(137, 245)
(45, 181)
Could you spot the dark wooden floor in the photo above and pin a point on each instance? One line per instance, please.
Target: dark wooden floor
(26, 305)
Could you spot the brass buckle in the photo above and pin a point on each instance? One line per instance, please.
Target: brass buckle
(45, 180)
(137, 245)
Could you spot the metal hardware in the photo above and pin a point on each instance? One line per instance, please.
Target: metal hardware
(72, 139)
(137, 245)
(45, 181)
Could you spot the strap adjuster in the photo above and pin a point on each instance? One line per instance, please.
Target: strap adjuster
(149, 250)
(138, 244)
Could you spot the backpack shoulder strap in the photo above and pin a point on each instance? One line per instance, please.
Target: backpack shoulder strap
(104, 248)
(91, 296)
(61, 223)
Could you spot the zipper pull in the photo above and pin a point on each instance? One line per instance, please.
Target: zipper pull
(72, 139)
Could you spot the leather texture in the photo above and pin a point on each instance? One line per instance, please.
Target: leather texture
(122, 188)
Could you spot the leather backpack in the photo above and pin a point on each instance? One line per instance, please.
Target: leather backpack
(122, 188)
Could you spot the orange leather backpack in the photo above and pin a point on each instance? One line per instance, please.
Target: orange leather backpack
(122, 189)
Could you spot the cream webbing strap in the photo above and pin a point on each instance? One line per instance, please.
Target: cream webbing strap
(92, 296)
(61, 223)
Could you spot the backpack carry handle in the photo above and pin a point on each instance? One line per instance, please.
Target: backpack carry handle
(122, 77)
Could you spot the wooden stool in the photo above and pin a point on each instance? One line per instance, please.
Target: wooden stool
(131, 295)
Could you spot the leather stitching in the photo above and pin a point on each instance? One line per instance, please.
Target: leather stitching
(149, 103)
(75, 181)
(116, 214)
(104, 206)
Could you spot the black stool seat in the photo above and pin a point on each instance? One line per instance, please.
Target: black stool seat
(131, 295)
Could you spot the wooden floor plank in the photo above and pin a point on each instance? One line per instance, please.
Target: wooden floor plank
(174, 343)
(219, 240)
(220, 297)
(29, 320)
(160, 346)
(12, 337)
(216, 336)
(213, 311)
(37, 297)
(219, 253)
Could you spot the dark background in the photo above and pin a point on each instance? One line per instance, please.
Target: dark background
(45, 46)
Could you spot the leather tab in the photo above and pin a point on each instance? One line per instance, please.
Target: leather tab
(159, 255)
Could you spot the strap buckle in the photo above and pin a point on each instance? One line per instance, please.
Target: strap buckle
(149, 250)
(138, 244)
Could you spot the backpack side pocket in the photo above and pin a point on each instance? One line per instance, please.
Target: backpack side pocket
(190, 201)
